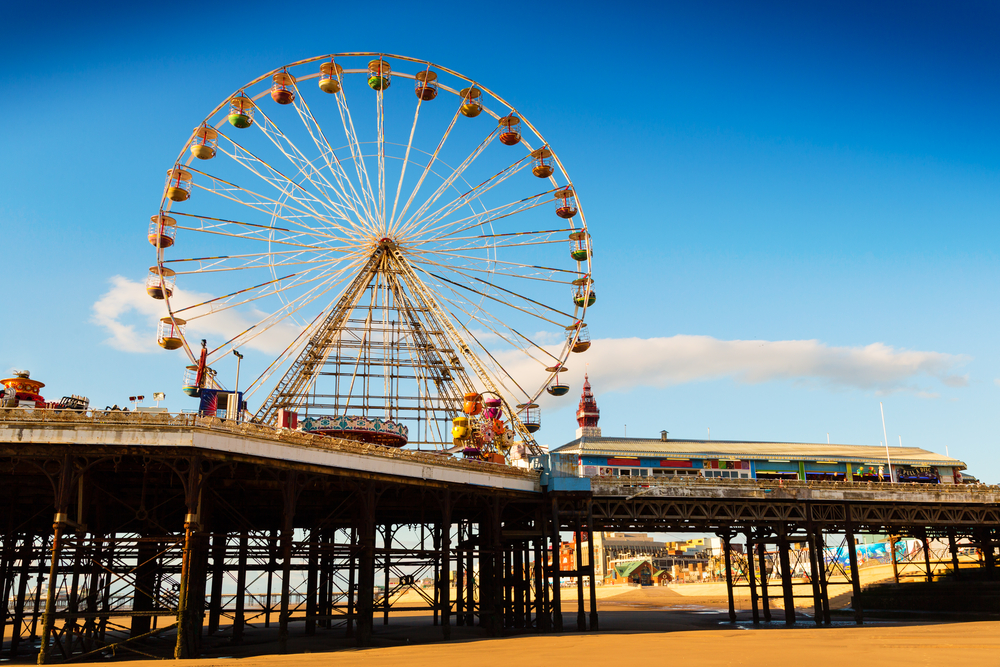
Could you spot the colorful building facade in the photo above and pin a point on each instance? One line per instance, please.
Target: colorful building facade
(593, 455)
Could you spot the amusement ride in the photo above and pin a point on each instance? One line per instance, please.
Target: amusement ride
(400, 236)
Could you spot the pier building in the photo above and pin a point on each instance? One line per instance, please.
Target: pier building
(602, 456)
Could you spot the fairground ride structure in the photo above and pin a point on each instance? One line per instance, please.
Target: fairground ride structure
(407, 264)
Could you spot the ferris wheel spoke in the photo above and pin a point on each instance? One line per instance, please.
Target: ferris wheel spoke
(494, 272)
(380, 120)
(289, 349)
(504, 262)
(260, 202)
(473, 290)
(280, 181)
(546, 233)
(217, 266)
(226, 305)
(494, 324)
(358, 158)
(525, 204)
(497, 366)
(427, 169)
(289, 309)
(252, 237)
(289, 188)
(288, 148)
(327, 283)
(318, 135)
(530, 310)
(496, 246)
(406, 161)
(256, 232)
(464, 198)
(417, 216)
(494, 285)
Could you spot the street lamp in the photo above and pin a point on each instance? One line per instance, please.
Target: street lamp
(239, 358)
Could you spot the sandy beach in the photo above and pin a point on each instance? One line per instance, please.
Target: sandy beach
(932, 644)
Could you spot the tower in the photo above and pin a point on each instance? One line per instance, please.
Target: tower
(588, 414)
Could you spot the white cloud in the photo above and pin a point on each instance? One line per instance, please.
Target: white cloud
(630, 363)
(110, 311)
(616, 364)
(130, 316)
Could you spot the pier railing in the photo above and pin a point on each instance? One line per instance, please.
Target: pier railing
(626, 486)
(162, 420)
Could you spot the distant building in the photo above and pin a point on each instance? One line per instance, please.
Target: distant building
(612, 550)
(587, 413)
(592, 455)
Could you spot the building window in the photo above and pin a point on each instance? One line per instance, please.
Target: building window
(728, 474)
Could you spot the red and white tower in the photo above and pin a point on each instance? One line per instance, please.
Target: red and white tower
(588, 414)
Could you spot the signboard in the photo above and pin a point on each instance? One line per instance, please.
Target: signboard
(666, 463)
(624, 462)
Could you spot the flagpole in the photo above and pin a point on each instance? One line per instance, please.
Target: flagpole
(892, 476)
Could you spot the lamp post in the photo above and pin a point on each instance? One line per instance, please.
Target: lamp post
(239, 358)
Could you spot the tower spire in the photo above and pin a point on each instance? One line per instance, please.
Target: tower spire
(588, 414)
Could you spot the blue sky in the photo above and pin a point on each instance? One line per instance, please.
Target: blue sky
(775, 173)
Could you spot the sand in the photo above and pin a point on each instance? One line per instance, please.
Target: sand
(653, 625)
(954, 643)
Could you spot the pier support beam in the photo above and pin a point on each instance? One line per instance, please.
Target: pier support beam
(445, 559)
(927, 555)
(893, 539)
(60, 521)
(751, 577)
(953, 549)
(185, 647)
(786, 577)
(470, 575)
(291, 496)
(239, 617)
(581, 614)
(852, 555)
(594, 625)
(554, 568)
(821, 559)
(728, 556)
(48, 618)
(218, 572)
(814, 556)
(312, 582)
(460, 548)
(764, 597)
(366, 566)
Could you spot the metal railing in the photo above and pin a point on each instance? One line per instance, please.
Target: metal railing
(163, 420)
(632, 484)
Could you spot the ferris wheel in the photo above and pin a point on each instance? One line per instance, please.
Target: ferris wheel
(417, 263)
